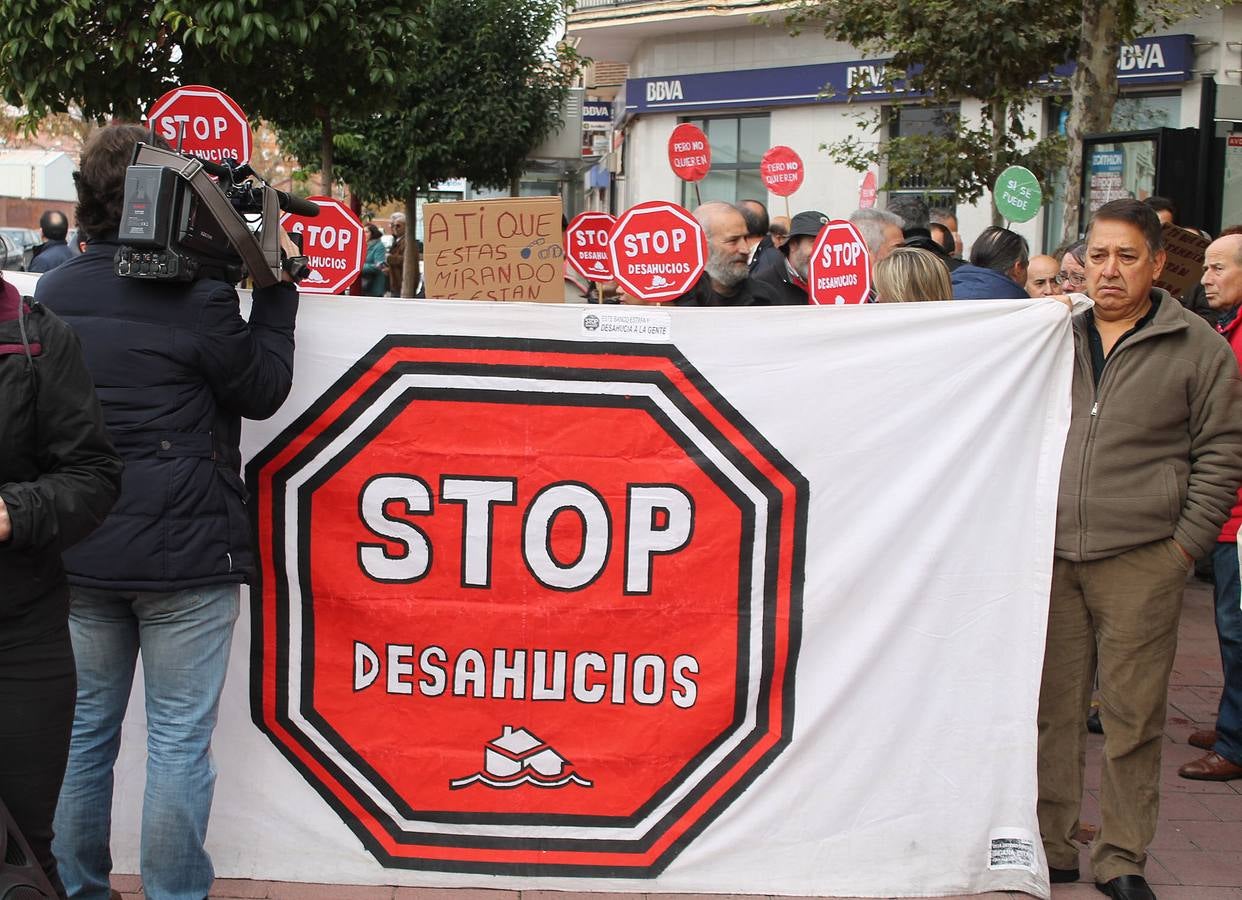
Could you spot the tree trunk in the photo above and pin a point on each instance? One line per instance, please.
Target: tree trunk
(998, 112)
(355, 206)
(409, 272)
(1093, 93)
(325, 149)
(515, 185)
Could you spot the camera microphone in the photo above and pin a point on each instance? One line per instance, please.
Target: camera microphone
(297, 205)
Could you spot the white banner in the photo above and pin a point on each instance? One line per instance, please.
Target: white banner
(721, 601)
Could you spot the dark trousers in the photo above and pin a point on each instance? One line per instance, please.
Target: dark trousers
(1229, 630)
(37, 687)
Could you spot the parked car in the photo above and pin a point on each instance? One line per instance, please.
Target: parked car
(10, 254)
(26, 239)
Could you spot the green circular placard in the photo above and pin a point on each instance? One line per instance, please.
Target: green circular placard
(1017, 194)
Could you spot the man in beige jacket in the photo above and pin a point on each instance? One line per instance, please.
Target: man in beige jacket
(1151, 466)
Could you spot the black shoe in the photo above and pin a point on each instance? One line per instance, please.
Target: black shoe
(1093, 721)
(1062, 876)
(1127, 887)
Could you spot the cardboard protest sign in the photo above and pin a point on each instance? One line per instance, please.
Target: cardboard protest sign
(508, 249)
(1183, 266)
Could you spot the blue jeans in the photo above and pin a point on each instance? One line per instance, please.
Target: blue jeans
(1229, 629)
(184, 637)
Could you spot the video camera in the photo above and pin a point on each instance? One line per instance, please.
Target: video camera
(177, 224)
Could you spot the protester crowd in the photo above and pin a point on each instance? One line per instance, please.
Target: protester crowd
(1150, 482)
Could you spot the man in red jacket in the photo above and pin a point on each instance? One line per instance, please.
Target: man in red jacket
(1222, 281)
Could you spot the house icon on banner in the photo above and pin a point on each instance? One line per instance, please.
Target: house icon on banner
(518, 757)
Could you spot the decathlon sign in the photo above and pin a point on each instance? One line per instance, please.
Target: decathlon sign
(205, 121)
(538, 716)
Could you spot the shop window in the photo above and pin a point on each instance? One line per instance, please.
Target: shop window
(911, 121)
(1132, 112)
(738, 144)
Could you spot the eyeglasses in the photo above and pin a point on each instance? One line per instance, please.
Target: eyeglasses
(1077, 279)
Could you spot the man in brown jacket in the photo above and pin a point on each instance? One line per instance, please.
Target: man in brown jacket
(394, 261)
(1151, 466)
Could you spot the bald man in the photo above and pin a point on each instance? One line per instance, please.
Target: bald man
(1222, 282)
(726, 280)
(1041, 276)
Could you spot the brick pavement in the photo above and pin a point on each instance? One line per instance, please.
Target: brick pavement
(1197, 853)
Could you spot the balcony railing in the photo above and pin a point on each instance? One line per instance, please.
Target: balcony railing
(599, 4)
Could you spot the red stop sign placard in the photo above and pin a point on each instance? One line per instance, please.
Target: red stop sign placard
(658, 250)
(840, 270)
(586, 245)
(333, 244)
(782, 171)
(689, 153)
(476, 612)
(207, 121)
(867, 190)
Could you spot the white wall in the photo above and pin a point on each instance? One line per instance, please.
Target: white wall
(829, 187)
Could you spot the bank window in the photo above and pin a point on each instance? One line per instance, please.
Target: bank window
(738, 144)
(911, 121)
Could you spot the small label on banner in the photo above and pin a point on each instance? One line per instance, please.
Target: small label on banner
(628, 325)
(1012, 848)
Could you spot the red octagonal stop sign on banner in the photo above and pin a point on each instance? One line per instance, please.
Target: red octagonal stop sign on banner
(494, 644)
(658, 250)
(840, 270)
(333, 244)
(214, 127)
(586, 245)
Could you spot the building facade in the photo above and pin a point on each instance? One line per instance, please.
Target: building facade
(732, 67)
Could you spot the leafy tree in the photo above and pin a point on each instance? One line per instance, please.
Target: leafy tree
(1000, 59)
(112, 58)
(481, 87)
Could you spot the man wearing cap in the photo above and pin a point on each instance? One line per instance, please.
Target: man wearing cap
(787, 283)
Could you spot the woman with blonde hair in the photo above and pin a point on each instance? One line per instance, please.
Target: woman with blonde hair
(909, 273)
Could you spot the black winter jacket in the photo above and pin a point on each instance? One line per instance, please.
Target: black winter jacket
(778, 284)
(701, 293)
(58, 473)
(176, 367)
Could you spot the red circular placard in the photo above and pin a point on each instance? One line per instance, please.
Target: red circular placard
(782, 171)
(689, 153)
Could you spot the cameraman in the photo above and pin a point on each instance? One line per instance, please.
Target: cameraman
(176, 367)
